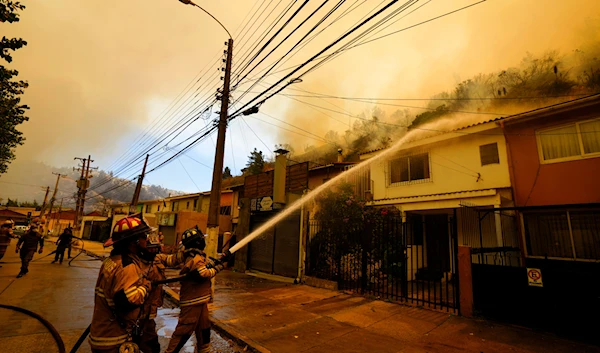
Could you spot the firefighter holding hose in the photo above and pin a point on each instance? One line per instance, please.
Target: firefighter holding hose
(123, 287)
(195, 293)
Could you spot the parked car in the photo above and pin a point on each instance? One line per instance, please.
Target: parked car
(20, 230)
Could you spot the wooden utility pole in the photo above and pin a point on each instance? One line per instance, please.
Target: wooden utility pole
(43, 210)
(57, 222)
(82, 184)
(215, 191)
(138, 188)
(52, 199)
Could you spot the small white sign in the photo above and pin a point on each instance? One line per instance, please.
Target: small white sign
(534, 277)
(266, 203)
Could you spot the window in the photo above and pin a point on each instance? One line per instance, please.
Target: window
(411, 168)
(489, 154)
(570, 142)
(187, 205)
(225, 210)
(158, 210)
(195, 203)
(175, 206)
(148, 208)
(563, 234)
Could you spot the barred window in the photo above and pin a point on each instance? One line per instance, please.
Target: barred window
(563, 234)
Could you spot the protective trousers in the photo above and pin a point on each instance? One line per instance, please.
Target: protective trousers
(192, 319)
(26, 257)
(149, 340)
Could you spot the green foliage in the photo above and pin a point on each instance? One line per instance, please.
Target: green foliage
(12, 203)
(12, 112)
(256, 163)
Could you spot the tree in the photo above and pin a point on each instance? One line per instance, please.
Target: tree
(12, 112)
(256, 162)
(227, 173)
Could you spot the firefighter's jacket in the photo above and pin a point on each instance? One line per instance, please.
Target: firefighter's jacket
(157, 272)
(121, 290)
(30, 240)
(196, 289)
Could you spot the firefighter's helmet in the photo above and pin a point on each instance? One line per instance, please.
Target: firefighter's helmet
(190, 236)
(7, 224)
(127, 228)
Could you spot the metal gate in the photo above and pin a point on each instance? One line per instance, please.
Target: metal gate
(412, 261)
(276, 250)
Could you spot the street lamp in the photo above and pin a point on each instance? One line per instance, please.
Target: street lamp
(212, 228)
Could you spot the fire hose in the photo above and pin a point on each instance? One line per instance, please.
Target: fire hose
(52, 329)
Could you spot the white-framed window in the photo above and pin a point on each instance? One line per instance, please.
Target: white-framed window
(409, 169)
(569, 142)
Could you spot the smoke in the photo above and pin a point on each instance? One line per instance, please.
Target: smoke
(475, 44)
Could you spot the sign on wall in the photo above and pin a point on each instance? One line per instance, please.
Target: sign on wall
(262, 204)
(165, 219)
(534, 277)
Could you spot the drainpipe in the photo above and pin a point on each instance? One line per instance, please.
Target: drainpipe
(513, 185)
(300, 243)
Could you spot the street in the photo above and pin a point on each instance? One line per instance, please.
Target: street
(63, 295)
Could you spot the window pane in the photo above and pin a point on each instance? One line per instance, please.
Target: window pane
(586, 234)
(419, 167)
(548, 234)
(560, 143)
(489, 154)
(399, 170)
(590, 135)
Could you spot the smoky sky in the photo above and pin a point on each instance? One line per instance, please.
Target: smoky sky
(101, 72)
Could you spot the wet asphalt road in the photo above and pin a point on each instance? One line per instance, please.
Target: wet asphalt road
(64, 295)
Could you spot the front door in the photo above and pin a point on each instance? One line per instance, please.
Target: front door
(437, 242)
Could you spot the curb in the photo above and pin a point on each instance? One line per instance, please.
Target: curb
(223, 328)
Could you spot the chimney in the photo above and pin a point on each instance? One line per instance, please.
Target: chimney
(280, 176)
(340, 157)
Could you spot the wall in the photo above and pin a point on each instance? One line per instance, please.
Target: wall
(454, 164)
(535, 184)
(189, 219)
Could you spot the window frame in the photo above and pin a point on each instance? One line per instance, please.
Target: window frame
(582, 155)
(408, 182)
(497, 154)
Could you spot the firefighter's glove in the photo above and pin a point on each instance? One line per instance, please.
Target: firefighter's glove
(226, 256)
(40, 251)
(17, 250)
(216, 264)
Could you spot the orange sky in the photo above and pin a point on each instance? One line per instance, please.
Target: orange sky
(102, 72)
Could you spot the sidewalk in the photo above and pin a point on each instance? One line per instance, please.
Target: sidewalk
(270, 316)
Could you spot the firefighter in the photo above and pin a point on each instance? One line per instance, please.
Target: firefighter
(122, 288)
(28, 245)
(6, 234)
(195, 294)
(64, 241)
(149, 340)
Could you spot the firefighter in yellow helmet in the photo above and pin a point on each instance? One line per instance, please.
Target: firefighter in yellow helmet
(195, 293)
(123, 287)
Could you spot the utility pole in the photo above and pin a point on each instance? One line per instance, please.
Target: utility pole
(57, 223)
(52, 199)
(43, 210)
(82, 185)
(138, 188)
(215, 191)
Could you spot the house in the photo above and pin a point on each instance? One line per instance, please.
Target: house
(174, 214)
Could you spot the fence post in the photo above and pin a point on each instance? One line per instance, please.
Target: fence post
(465, 280)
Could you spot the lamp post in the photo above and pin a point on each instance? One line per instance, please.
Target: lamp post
(214, 207)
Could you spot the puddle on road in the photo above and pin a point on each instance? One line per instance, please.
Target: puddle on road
(166, 321)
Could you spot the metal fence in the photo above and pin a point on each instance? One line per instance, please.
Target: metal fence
(388, 259)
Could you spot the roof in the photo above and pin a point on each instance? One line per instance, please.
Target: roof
(332, 165)
(591, 99)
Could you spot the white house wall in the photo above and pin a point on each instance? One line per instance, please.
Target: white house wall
(454, 166)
